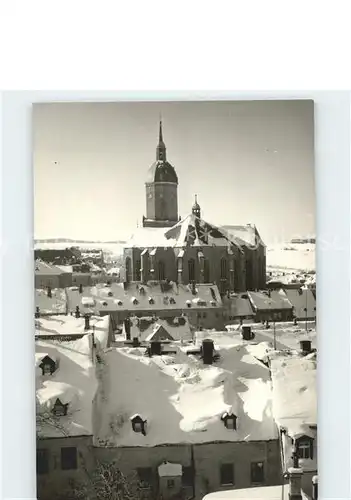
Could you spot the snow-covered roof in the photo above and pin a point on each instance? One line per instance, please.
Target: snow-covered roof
(168, 469)
(280, 492)
(183, 400)
(191, 230)
(247, 235)
(56, 304)
(43, 268)
(300, 300)
(276, 300)
(65, 269)
(69, 325)
(147, 328)
(239, 305)
(295, 393)
(115, 297)
(73, 382)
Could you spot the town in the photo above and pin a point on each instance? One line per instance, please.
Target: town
(182, 366)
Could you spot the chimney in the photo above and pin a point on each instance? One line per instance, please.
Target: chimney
(37, 312)
(246, 332)
(136, 342)
(295, 476)
(87, 322)
(315, 488)
(49, 292)
(207, 351)
(305, 346)
(193, 287)
(77, 312)
(81, 288)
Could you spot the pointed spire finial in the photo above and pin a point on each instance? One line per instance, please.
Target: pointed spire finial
(160, 133)
(161, 148)
(196, 198)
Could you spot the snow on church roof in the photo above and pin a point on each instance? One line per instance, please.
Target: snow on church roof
(72, 382)
(294, 381)
(191, 230)
(183, 400)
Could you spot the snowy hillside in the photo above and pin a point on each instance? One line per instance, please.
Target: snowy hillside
(291, 257)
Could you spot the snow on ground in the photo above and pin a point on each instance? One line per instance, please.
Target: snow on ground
(261, 493)
(73, 382)
(56, 304)
(183, 400)
(291, 257)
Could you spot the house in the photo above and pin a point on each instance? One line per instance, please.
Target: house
(237, 308)
(50, 301)
(68, 328)
(153, 329)
(303, 302)
(48, 275)
(272, 305)
(190, 422)
(200, 303)
(66, 384)
(294, 385)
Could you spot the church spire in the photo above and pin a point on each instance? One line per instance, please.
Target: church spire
(161, 148)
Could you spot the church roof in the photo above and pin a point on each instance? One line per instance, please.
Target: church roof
(190, 231)
(248, 234)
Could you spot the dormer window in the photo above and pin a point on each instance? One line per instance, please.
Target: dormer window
(165, 300)
(138, 424)
(135, 301)
(229, 420)
(119, 302)
(104, 303)
(188, 303)
(60, 409)
(110, 294)
(48, 366)
(172, 300)
(151, 301)
(142, 290)
(213, 303)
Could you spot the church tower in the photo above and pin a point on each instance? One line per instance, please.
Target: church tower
(161, 190)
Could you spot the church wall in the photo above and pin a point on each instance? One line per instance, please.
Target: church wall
(150, 200)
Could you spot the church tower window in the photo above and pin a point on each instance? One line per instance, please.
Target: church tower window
(206, 271)
(223, 268)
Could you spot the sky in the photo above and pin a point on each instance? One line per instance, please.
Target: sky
(247, 161)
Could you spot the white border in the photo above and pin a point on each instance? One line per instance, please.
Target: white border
(332, 112)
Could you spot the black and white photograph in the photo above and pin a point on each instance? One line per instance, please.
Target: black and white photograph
(175, 300)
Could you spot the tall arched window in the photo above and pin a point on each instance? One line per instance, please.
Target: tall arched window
(224, 269)
(191, 269)
(137, 270)
(128, 270)
(161, 270)
(206, 271)
(249, 275)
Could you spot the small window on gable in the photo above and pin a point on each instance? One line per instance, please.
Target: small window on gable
(48, 366)
(229, 420)
(139, 424)
(170, 484)
(304, 446)
(60, 409)
(69, 458)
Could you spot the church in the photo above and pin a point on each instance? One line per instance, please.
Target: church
(190, 250)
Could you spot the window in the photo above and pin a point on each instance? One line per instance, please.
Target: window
(305, 448)
(191, 269)
(138, 427)
(187, 477)
(137, 270)
(257, 472)
(170, 484)
(68, 458)
(42, 461)
(206, 271)
(227, 474)
(223, 268)
(161, 270)
(204, 315)
(60, 409)
(46, 369)
(145, 477)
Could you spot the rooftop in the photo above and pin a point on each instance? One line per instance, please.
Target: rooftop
(183, 400)
(295, 393)
(73, 382)
(43, 268)
(68, 325)
(56, 304)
